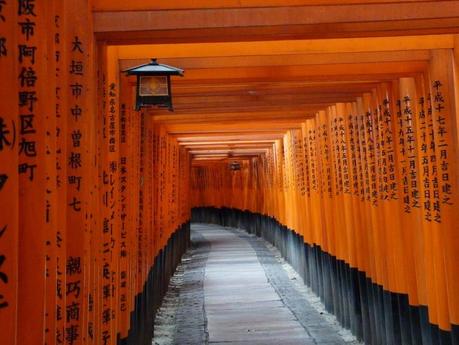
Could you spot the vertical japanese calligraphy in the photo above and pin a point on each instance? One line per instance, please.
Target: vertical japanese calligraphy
(31, 55)
(359, 176)
(370, 185)
(9, 180)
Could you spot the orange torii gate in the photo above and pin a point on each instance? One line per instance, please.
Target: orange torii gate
(79, 254)
(348, 147)
(370, 185)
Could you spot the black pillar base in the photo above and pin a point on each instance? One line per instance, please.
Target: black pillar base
(374, 315)
(149, 300)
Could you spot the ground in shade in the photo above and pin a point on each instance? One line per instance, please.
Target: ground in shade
(233, 288)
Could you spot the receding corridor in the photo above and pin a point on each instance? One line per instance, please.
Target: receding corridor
(321, 137)
(233, 290)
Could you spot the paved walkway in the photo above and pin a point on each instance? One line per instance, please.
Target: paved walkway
(231, 289)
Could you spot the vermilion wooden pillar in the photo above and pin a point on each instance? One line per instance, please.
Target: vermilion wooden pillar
(80, 173)
(444, 119)
(127, 221)
(51, 196)
(61, 111)
(31, 32)
(9, 178)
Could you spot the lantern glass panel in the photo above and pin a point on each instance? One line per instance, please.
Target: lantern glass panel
(153, 86)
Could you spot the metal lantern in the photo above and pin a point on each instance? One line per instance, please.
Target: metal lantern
(154, 84)
(235, 166)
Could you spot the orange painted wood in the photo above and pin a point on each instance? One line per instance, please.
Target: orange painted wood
(351, 143)
(9, 178)
(287, 59)
(32, 168)
(444, 120)
(104, 267)
(286, 47)
(61, 111)
(104, 5)
(342, 20)
(127, 221)
(51, 196)
(78, 181)
(381, 218)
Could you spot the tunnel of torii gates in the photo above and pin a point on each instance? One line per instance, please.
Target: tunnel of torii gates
(343, 116)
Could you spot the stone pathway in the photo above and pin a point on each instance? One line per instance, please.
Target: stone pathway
(232, 288)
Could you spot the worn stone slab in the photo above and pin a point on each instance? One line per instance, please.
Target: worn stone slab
(234, 283)
(233, 290)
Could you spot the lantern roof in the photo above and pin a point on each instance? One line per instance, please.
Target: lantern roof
(154, 68)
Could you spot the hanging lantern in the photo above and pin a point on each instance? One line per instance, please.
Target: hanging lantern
(154, 84)
(235, 166)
